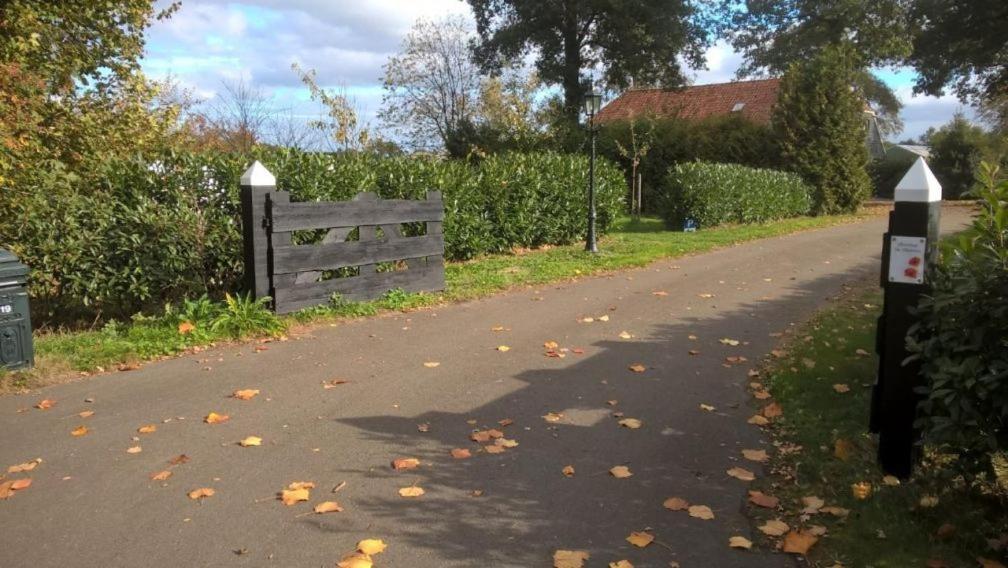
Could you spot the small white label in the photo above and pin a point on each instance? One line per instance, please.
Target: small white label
(907, 259)
(6, 309)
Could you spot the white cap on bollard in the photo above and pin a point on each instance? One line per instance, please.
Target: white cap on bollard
(258, 175)
(918, 185)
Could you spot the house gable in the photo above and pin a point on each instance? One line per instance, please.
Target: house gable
(753, 100)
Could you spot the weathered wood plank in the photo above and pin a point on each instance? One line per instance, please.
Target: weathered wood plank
(358, 288)
(301, 258)
(336, 235)
(322, 215)
(367, 232)
(278, 239)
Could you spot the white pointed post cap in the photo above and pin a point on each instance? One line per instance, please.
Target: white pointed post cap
(918, 184)
(258, 175)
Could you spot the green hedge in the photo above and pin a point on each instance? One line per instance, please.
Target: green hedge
(144, 231)
(712, 194)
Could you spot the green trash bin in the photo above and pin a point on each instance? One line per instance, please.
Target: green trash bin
(16, 349)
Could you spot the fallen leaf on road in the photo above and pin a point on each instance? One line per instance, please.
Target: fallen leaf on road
(758, 420)
(640, 539)
(552, 417)
(86, 414)
(506, 443)
(620, 472)
(740, 542)
(355, 560)
(701, 512)
(503, 348)
(740, 473)
(214, 418)
(841, 388)
(705, 296)
(728, 341)
(772, 410)
(26, 466)
(334, 383)
(774, 528)
(568, 471)
(461, 453)
(755, 455)
(161, 475)
(431, 364)
(569, 558)
(371, 546)
(675, 504)
(621, 564)
(245, 394)
(134, 450)
(761, 394)
(412, 491)
(493, 449)
(603, 318)
(498, 328)
(425, 427)
(7, 488)
(148, 429)
(660, 293)
(294, 495)
(735, 360)
(178, 460)
(405, 463)
(328, 507)
(637, 368)
(551, 345)
(45, 404)
(778, 353)
(79, 431)
(251, 441)
(694, 352)
(631, 423)
(706, 407)
(761, 499)
(201, 493)
(799, 542)
(625, 335)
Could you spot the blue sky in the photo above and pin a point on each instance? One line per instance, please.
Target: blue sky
(210, 41)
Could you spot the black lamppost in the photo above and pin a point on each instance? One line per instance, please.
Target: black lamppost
(592, 103)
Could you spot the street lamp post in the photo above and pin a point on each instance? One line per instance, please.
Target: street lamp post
(592, 103)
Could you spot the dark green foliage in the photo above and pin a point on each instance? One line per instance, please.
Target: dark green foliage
(712, 194)
(886, 173)
(721, 139)
(962, 338)
(821, 128)
(957, 148)
(145, 231)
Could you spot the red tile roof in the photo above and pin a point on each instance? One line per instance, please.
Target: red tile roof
(696, 102)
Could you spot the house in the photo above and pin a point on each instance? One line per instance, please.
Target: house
(753, 100)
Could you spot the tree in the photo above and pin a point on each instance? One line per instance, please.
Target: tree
(962, 45)
(957, 148)
(238, 116)
(431, 85)
(507, 117)
(819, 120)
(631, 41)
(773, 34)
(634, 149)
(341, 122)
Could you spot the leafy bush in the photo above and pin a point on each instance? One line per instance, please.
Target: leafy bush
(962, 337)
(712, 194)
(957, 148)
(244, 316)
(145, 231)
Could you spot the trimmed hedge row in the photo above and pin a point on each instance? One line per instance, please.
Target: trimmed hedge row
(712, 194)
(145, 231)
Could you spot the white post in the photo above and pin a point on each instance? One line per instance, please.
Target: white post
(256, 183)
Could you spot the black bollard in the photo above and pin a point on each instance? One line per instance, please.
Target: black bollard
(909, 248)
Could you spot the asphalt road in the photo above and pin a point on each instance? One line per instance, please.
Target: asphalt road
(93, 504)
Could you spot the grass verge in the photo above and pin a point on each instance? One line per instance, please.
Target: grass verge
(62, 355)
(934, 519)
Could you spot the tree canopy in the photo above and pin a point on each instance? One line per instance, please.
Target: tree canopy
(629, 41)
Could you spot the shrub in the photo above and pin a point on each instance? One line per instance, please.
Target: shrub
(962, 337)
(957, 148)
(713, 194)
(144, 231)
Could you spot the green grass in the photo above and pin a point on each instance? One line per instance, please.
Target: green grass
(629, 244)
(816, 416)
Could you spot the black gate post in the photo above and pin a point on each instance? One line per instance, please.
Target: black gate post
(909, 249)
(256, 183)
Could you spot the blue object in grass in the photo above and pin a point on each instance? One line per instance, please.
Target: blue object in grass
(689, 225)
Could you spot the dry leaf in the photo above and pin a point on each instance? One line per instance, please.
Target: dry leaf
(568, 470)
(761, 395)
(178, 460)
(758, 420)
(246, 394)
(328, 507)
(334, 383)
(701, 512)
(431, 364)
(356, 560)
(772, 410)
(23, 483)
(891, 480)
(251, 441)
(497, 328)
(928, 501)
(552, 417)
(755, 455)
(835, 511)
(503, 348)
(481, 436)
(675, 504)
(79, 431)
(405, 463)
(551, 345)
(45, 404)
(740, 542)
(461, 453)
(148, 429)
(569, 558)
(761, 499)
(812, 504)
(625, 335)
(640, 539)
(799, 542)
(706, 407)
(620, 472)
(740, 473)
(774, 528)
(728, 341)
(412, 491)
(505, 422)
(161, 475)
(201, 493)
(493, 449)
(843, 449)
(637, 368)
(294, 495)
(214, 418)
(371, 546)
(506, 443)
(5, 489)
(134, 450)
(186, 328)
(26, 466)
(86, 414)
(705, 296)
(621, 564)
(841, 388)
(631, 423)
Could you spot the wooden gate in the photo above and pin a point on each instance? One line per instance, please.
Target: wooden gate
(378, 257)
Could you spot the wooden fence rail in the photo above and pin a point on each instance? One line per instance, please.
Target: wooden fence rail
(298, 276)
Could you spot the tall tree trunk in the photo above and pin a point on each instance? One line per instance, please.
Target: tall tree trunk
(573, 91)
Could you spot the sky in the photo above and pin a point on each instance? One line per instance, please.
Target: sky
(210, 41)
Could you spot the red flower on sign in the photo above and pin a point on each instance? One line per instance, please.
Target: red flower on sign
(910, 272)
(915, 261)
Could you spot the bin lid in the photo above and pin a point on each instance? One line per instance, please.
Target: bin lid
(11, 268)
